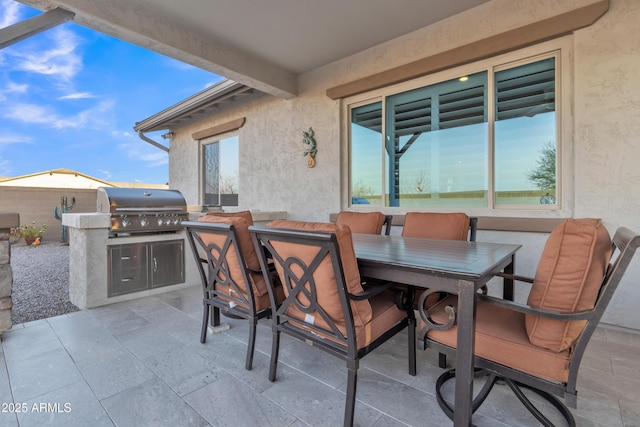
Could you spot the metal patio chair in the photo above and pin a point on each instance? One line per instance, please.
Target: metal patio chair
(436, 225)
(227, 263)
(539, 345)
(325, 304)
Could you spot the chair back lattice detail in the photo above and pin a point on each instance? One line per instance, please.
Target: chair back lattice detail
(314, 285)
(224, 278)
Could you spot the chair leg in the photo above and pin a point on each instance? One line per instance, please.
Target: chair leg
(442, 360)
(215, 319)
(275, 344)
(412, 343)
(205, 320)
(251, 344)
(515, 387)
(350, 404)
(477, 401)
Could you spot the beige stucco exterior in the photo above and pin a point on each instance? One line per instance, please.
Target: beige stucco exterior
(601, 119)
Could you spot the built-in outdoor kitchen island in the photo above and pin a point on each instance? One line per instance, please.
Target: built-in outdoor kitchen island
(133, 246)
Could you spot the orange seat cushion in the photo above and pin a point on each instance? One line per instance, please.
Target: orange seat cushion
(435, 225)
(246, 246)
(501, 337)
(568, 278)
(362, 222)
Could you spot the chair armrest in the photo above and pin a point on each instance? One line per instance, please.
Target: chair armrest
(515, 277)
(540, 312)
(371, 291)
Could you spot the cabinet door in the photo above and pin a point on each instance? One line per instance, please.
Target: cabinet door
(167, 263)
(128, 268)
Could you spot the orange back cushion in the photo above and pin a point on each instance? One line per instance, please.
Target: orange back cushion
(324, 276)
(240, 214)
(432, 225)
(362, 222)
(246, 246)
(568, 278)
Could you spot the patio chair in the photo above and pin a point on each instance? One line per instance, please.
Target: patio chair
(227, 262)
(539, 345)
(325, 304)
(436, 225)
(365, 222)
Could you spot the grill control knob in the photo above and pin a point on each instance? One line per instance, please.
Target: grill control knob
(143, 221)
(125, 222)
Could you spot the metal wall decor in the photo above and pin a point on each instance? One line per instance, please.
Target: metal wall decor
(307, 138)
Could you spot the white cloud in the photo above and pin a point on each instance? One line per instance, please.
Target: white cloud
(12, 88)
(122, 134)
(92, 117)
(7, 138)
(106, 173)
(5, 170)
(42, 114)
(77, 95)
(15, 87)
(29, 113)
(140, 150)
(59, 60)
(10, 12)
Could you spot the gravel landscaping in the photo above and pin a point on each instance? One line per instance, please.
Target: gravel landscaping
(40, 281)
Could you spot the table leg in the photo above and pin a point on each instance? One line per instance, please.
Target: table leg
(464, 353)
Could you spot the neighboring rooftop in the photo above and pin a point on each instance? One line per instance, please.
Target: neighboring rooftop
(66, 178)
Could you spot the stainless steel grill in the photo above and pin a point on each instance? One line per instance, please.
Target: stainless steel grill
(142, 210)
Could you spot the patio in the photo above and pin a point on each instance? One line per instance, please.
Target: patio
(141, 363)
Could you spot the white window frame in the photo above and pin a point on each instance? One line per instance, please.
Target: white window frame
(564, 129)
(201, 145)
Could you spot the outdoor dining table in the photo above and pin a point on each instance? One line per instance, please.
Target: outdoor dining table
(458, 267)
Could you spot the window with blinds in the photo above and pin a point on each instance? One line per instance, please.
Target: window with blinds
(526, 90)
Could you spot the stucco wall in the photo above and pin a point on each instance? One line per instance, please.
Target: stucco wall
(606, 106)
(607, 125)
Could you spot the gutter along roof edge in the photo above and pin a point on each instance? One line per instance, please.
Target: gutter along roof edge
(200, 101)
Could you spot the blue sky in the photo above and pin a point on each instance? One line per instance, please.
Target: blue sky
(70, 96)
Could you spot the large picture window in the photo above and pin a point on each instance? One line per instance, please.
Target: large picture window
(483, 140)
(220, 172)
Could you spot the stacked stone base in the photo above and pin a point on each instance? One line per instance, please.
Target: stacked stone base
(8, 220)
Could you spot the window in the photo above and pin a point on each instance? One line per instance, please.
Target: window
(220, 172)
(484, 140)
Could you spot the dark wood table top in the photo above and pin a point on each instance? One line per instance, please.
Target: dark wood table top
(461, 259)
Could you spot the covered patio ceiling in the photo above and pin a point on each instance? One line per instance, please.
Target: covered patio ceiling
(262, 44)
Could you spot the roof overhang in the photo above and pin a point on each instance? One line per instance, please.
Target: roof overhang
(265, 45)
(196, 105)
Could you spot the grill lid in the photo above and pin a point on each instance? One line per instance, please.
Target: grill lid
(129, 200)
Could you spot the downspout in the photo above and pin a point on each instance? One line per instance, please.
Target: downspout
(152, 142)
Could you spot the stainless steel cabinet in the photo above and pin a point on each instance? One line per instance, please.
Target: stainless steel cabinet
(135, 267)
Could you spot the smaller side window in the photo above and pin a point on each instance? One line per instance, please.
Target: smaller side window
(220, 178)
